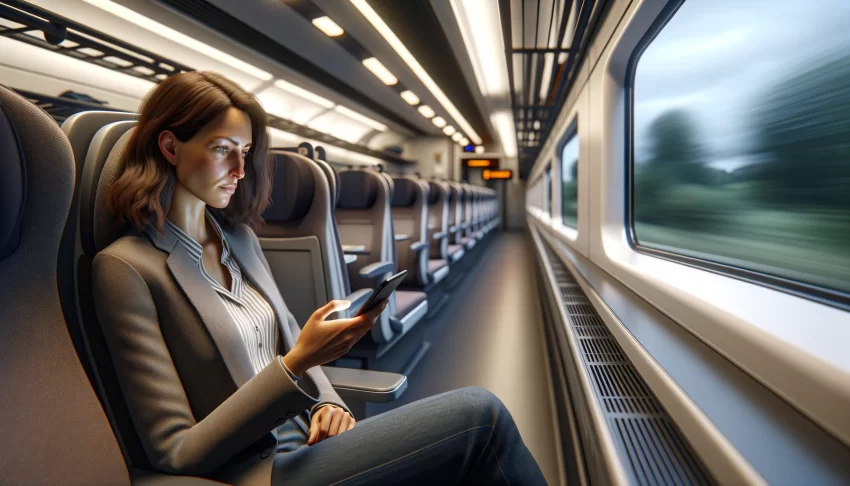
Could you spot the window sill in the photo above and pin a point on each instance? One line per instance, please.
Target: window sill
(796, 347)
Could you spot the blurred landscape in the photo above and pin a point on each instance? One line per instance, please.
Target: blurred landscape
(782, 207)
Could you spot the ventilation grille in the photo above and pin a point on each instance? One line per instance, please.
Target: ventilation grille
(650, 444)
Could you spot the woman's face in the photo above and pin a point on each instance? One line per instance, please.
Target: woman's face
(211, 164)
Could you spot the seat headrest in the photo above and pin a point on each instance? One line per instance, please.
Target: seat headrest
(405, 192)
(13, 183)
(293, 187)
(99, 227)
(358, 189)
(434, 194)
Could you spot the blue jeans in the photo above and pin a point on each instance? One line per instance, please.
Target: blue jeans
(463, 436)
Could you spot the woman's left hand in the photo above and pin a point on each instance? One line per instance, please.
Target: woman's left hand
(329, 421)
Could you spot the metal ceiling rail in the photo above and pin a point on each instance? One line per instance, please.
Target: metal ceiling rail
(535, 114)
(64, 36)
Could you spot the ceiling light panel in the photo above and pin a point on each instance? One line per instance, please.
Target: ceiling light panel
(285, 105)
(481, 28)
(426, 111)
(457, 136)
(328, 26)
(361, 118)
(438, 121)
(464, 142)
(503, 121)
(381, 71)
(449, 130)
(303, 93)
(179, 38)
(414, 65)
(340, 126)
(410, 97)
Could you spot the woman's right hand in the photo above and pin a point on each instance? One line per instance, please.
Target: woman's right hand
(323, 341)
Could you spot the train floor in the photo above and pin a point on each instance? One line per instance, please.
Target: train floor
(489, 334)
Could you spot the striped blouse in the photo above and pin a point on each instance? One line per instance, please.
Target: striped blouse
(252, 315)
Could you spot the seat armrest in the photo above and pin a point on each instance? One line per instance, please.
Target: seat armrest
(366, 385)
(453, 229)
(350, 258)
(440, 235)
(375, 269)
(400, 237)
(358, 298)
(464, 226)
(418, 245)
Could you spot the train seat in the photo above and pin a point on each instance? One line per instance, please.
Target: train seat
(299, 238)
(455, 249)
(410, 219)
(365, 229)
(438, 220)
(467, 239)
(52, 422)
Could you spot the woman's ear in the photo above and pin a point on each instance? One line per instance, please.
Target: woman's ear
(168, 146)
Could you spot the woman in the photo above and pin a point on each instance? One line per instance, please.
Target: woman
(211, 362)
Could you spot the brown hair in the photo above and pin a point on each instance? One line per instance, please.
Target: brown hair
(183, 104)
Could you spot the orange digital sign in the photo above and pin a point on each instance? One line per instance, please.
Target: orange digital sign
(479, 163)
(496, 174)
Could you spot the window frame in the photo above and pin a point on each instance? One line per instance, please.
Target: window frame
(547, 190)
(570, 133)
(824, 295)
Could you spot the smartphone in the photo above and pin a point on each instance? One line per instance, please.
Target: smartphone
(382, 291)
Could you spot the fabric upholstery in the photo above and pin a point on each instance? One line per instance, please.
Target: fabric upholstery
(410, 217)
(405, 192)
(438, 218)
(52, 423)
(105, 227)
(13, 184)
(434, 265)
(358, 189)
(407, 300)
(292, 189)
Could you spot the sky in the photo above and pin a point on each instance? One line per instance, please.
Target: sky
(718, 58)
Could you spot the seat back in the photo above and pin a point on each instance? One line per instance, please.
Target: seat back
(363, 219)
(95, 229)
(438, 218)
(299, 236)
(410, 217)
(54, 429)
(80, 129)
(455, 213)
(468, 211)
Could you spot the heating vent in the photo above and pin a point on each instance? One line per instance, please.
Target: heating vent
(649, 442)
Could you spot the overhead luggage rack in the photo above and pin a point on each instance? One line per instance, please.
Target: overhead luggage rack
(545, 69)
(42, 28)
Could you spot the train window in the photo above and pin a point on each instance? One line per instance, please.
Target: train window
(547, 190)
(569, 179)
(740, 145)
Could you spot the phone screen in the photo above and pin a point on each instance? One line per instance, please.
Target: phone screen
(382, 291)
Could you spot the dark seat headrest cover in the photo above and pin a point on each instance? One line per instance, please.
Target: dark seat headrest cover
(405, 191)
(293, 186)
(358, 189)
(13, 183)
(434, 194)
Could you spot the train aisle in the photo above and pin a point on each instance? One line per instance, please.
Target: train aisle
(489, 334)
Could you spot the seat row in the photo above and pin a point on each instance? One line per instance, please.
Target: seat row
(64, 414)
(335, 234)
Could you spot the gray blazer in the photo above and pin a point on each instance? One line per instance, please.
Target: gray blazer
(183, 368)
